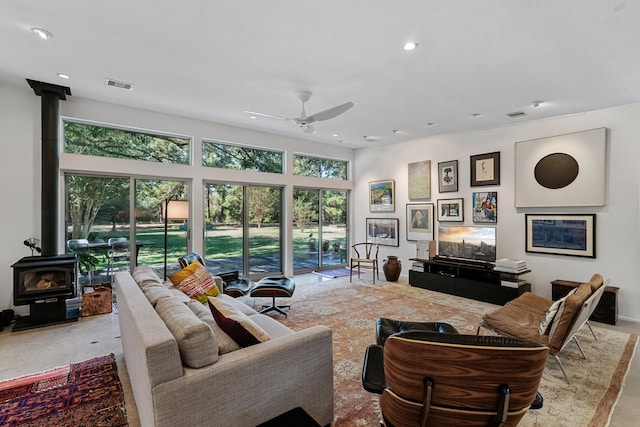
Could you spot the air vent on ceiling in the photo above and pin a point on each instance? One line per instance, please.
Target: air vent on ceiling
(517, 114)
(121, 85)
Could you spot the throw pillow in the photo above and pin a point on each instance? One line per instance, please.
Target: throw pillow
(236, 324)
(551, 313)
(225, 343)
(195, 281)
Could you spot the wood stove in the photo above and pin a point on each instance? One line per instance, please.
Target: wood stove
(44, 283)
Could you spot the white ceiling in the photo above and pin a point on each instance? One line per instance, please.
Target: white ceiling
(214, 59)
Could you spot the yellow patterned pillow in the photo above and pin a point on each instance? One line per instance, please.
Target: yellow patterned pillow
(195, 281)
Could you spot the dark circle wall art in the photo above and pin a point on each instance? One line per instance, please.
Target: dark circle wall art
(556, 170)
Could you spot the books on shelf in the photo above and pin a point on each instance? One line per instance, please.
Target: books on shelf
(418, 266)
(513, 283)
(509, 265)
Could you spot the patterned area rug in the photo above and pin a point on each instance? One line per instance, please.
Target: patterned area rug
(88, 393)
(350, 310)
(336, 272)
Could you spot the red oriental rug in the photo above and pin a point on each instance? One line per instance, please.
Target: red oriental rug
(87, 393)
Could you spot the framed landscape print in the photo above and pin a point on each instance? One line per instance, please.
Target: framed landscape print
(420, 222)
(383, 231)
(448, 176)
(419, 180)
(485, 207)
(561, 234)
(450, 210)
(382, 196)
(485, 169)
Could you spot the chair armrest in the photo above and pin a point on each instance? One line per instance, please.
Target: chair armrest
(373, 379)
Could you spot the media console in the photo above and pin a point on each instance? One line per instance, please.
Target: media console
(476, 282)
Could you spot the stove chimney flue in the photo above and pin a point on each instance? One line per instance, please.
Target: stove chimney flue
(50, 189)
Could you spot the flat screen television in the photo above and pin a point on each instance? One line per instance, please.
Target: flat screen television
(467, 242)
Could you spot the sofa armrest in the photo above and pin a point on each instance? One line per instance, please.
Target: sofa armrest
(254, 384)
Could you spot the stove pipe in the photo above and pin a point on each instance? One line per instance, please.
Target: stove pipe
(50, 189)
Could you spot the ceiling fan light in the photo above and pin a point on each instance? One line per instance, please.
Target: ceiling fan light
(410, 46)
(42, 33)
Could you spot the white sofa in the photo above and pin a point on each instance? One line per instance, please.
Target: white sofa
(245, 387)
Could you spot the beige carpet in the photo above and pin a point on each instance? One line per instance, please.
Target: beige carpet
(350, 310)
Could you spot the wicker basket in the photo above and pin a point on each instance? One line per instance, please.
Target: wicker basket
(97, 299)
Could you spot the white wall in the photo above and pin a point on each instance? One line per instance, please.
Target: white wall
(20, 138)
(617, 223)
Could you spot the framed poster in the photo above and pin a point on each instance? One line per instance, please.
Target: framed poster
(420, 221)
(451, 210)
(419, 180)
(383, 231)
(563, 170)
(485, 169)
(561, 234)
(448, 176)
(382, 196)
(485, 207)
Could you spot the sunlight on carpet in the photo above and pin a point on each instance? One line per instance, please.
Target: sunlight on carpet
(350, 310)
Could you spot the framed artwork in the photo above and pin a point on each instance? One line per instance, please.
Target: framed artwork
(450, 210)
(485, 169)
(382, 196)
(383, 231)
(448, 176)
(561, 234)
(419, 180)
(563, 170)
(485, 207)
(420, 221)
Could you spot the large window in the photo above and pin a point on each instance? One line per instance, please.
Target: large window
(220, 155)
(319, 167)
(94, 140)
(243, 228)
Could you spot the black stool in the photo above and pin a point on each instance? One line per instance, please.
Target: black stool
(274, 287)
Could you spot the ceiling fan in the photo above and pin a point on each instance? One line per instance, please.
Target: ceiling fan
(306, 122)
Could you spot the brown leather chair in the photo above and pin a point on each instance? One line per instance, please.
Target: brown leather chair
(523, 317)
(368, 259)
(442, 379)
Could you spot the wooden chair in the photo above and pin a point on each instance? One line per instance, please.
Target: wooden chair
(441, 379)
(369, 261)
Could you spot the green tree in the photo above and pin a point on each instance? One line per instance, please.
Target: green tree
(263, 202)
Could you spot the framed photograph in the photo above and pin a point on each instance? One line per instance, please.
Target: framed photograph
(419, 180)
(450, 210)
(485, 169)
(485, 207)
(382, 196)
(448, 176)
(561, 234)
(420, 222)
(383, 231)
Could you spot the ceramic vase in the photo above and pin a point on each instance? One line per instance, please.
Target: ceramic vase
(392, 268)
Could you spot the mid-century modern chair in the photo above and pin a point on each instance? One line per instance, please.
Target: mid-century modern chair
(444, 379)
(551, 323)
(368, 259)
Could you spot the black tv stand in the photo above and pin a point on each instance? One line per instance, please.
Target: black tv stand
(469, 281)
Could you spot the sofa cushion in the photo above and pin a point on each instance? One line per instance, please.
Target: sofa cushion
(154, 291)
(195, 281)
(195, 339)
(236, 324)
(225, 343)
(566, 314)
(547, 320)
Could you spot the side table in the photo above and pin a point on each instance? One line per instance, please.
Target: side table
(607, 309)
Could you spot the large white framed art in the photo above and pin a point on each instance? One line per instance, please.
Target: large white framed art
(563, 170)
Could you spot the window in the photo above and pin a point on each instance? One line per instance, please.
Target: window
(94, 140)
(319, 167)
(220, 155)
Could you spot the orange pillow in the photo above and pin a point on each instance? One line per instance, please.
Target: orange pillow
(195, 281)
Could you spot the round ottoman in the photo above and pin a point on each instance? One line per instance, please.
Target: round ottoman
(274, 287)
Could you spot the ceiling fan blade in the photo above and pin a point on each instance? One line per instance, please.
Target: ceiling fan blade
(266, 115)
(329, 114)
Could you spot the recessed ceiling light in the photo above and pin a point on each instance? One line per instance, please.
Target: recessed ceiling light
(252, 117)
(475, 115)
(410, 46)
(42, 33)
(369, 138)
(430, 124)
(536, 104)
(335, 134)
(63, 76)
